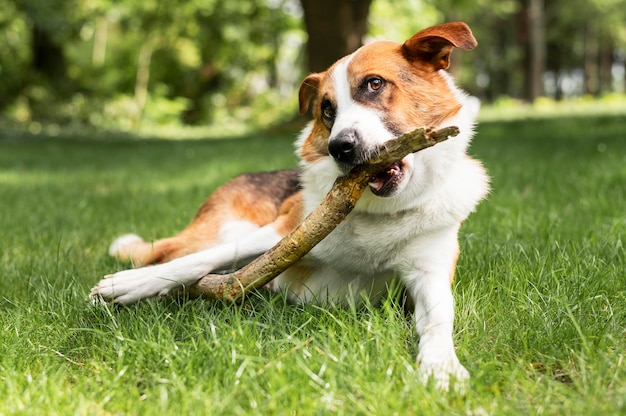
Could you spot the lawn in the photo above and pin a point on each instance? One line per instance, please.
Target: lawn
(540, 287)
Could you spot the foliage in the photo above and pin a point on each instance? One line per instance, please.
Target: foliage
(13, 53)
(218, 58)
(127, 65)
(539, 291)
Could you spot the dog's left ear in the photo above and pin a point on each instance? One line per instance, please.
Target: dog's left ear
(431, 48)
(308, 89)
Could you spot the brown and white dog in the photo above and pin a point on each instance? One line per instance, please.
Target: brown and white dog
(404, 226)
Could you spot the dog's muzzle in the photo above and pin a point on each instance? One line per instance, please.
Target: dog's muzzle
(347, 148)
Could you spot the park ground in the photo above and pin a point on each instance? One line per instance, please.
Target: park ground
(540, 286)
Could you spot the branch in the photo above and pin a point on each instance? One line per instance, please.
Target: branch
(337, 204)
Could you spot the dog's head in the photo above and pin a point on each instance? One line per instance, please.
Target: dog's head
(380, 91)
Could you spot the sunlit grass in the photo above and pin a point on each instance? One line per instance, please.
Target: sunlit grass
(513, 109)
(540, 288)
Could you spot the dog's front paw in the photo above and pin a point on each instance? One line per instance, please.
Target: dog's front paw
(443, 371)
(130, 286)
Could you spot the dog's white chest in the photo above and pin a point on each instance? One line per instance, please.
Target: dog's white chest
(366, 244)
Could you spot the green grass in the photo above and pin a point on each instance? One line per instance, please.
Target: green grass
(540, 289)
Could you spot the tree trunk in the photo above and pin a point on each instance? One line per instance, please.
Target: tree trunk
(534, 34)
(101, 35)
(143, 76)
(606, 65)
(48, 58)
(591, 62)
(335, 28)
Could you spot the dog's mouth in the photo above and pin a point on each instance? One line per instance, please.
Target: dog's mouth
(386, 182)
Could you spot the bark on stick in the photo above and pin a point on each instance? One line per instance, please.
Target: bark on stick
(337, 204)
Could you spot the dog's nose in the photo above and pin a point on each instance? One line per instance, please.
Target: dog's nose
(343, 147)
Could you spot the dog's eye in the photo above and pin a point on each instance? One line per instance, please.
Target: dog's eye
(375, 84)
(328, 111)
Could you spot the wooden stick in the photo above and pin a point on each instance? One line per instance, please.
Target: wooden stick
(337, 204)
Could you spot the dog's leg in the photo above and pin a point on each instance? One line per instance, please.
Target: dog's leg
(129, 286)
(131, 247)
(248, 200)
(192, 239)
(429, 285)
(434, 316)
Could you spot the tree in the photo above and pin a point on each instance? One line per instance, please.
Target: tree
(534, 40)
(52, 25)
(335, 28)
(582, 37)
(109, 62)
(14, 55)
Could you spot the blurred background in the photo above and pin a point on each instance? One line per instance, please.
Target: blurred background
(128, 65)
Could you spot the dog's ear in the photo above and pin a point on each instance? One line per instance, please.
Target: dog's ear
(308, 90)
(431, 48)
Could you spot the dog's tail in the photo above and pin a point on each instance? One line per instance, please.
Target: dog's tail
(131, 247)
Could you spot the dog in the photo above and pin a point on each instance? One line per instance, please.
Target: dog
(405, 225)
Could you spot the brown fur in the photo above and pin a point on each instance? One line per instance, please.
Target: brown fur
(260, 198)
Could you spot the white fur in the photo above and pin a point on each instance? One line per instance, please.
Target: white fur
(233, 230)
(131, 285)
(411, 235)
(123, 241)
(352, 115)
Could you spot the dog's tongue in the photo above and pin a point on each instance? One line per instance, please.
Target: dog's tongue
(385, 177)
